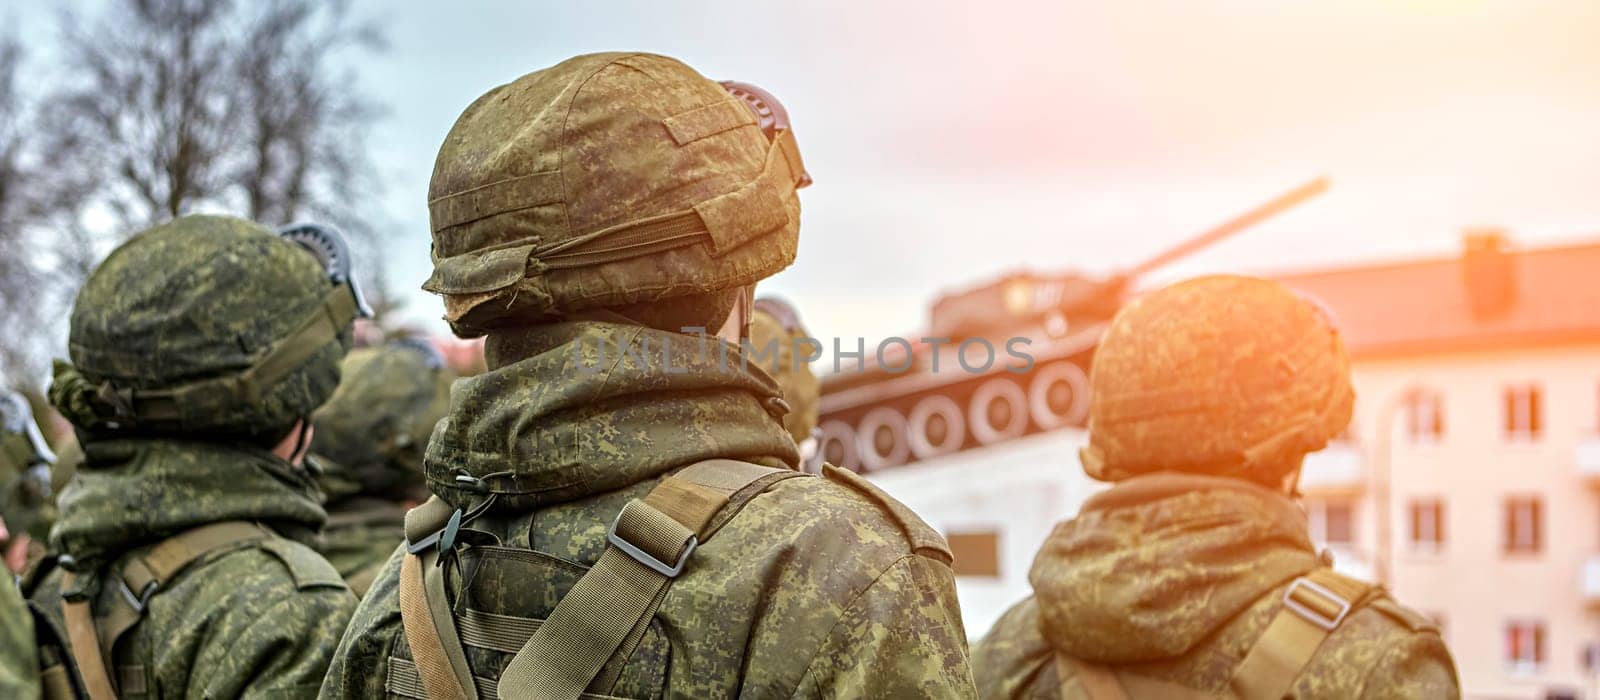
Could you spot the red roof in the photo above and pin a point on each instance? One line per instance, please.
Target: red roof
(1425, 306)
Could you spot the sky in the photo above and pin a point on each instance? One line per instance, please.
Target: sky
(955, 141)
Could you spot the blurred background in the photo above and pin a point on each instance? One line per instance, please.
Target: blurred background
(1003, 162)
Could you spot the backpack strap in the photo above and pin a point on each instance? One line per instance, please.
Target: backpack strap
(1313, 607)
(144, 573)
(649, 544)
(1096, 682)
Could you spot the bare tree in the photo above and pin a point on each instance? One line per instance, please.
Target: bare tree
(167, 107)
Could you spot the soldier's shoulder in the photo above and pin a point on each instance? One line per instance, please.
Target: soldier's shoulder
(843, 501)
(275, 564)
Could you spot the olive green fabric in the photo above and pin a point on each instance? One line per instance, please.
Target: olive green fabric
(818, 588)
(196, 299)
(1174, 577)
(801, 389)
(539, 183)
(19, 659)
(373, 431)
(27, 503)
(1221, 375)
(360, 535)
(258, 620)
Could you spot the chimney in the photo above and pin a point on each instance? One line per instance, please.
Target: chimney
(1488, 272)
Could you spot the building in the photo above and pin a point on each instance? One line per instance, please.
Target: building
(1469, 481)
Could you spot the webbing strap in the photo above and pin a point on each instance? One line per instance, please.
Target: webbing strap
(156, 565)
(651, 541)
(441, 674)
(1313, 606)
(86, 644)
(319, 327)
(55, 684)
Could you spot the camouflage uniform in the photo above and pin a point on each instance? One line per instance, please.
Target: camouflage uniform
(27, 503)
(1206, 397)
(777, 325)
(19, 661)
(176, 414)
(369, 442)
(778, 603)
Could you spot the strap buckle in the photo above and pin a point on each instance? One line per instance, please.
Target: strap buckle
(1310, 614)
(136, 600)
(643, 557)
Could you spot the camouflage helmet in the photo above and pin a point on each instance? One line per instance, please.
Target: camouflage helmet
(777, 324)
(210, 326)
(375, 428)
(605, 181)
(26, 502)
(1223, 375)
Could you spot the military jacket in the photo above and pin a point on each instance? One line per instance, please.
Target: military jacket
(360, 535)
(1175, 577)
(819, 587)
(257, 619)
(19, 660)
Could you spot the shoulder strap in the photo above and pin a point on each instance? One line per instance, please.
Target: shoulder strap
(1313, 607)
(1096, 682)
(144, 573)
(650, 543)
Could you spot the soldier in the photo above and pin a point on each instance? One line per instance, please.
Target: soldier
(617, 509)
(369, 442)
(199, 350)
(25, 494)
(776, 330)
(1194, 575)
(19, 658)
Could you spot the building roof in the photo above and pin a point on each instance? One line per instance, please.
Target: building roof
(1427, 306)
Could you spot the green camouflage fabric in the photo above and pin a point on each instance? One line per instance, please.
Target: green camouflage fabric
(1224, 375)
(819, 587)
(27, 502)
(198, 298)
(19, 659)
(1175, 576)
(369, 442)
(801, 389)
(258, 620)
(538, 183)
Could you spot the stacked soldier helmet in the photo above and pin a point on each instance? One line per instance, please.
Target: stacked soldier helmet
(209, 325)
(618, 181)
(1222, 375)
(377, 423)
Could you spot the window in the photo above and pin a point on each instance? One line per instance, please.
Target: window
(1524, 526)
(1524, 412)
(976, 553)
(1427, 524)
(1424, 416)
(1525, 646)
(1333, 523)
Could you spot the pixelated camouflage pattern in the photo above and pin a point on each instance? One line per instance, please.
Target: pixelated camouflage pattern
(258, 620)
(1216, 375)
(813, 590)
(370, 436)
(360, 534)
(197, 298)
(19, 660)
(801, 389)
(1175, 576)
(591, 143)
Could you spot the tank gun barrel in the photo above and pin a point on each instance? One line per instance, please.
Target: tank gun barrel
(1277, 205)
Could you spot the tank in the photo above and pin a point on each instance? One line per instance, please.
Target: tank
(998, 361)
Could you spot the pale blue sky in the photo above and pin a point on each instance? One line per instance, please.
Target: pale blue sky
(953, 141)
